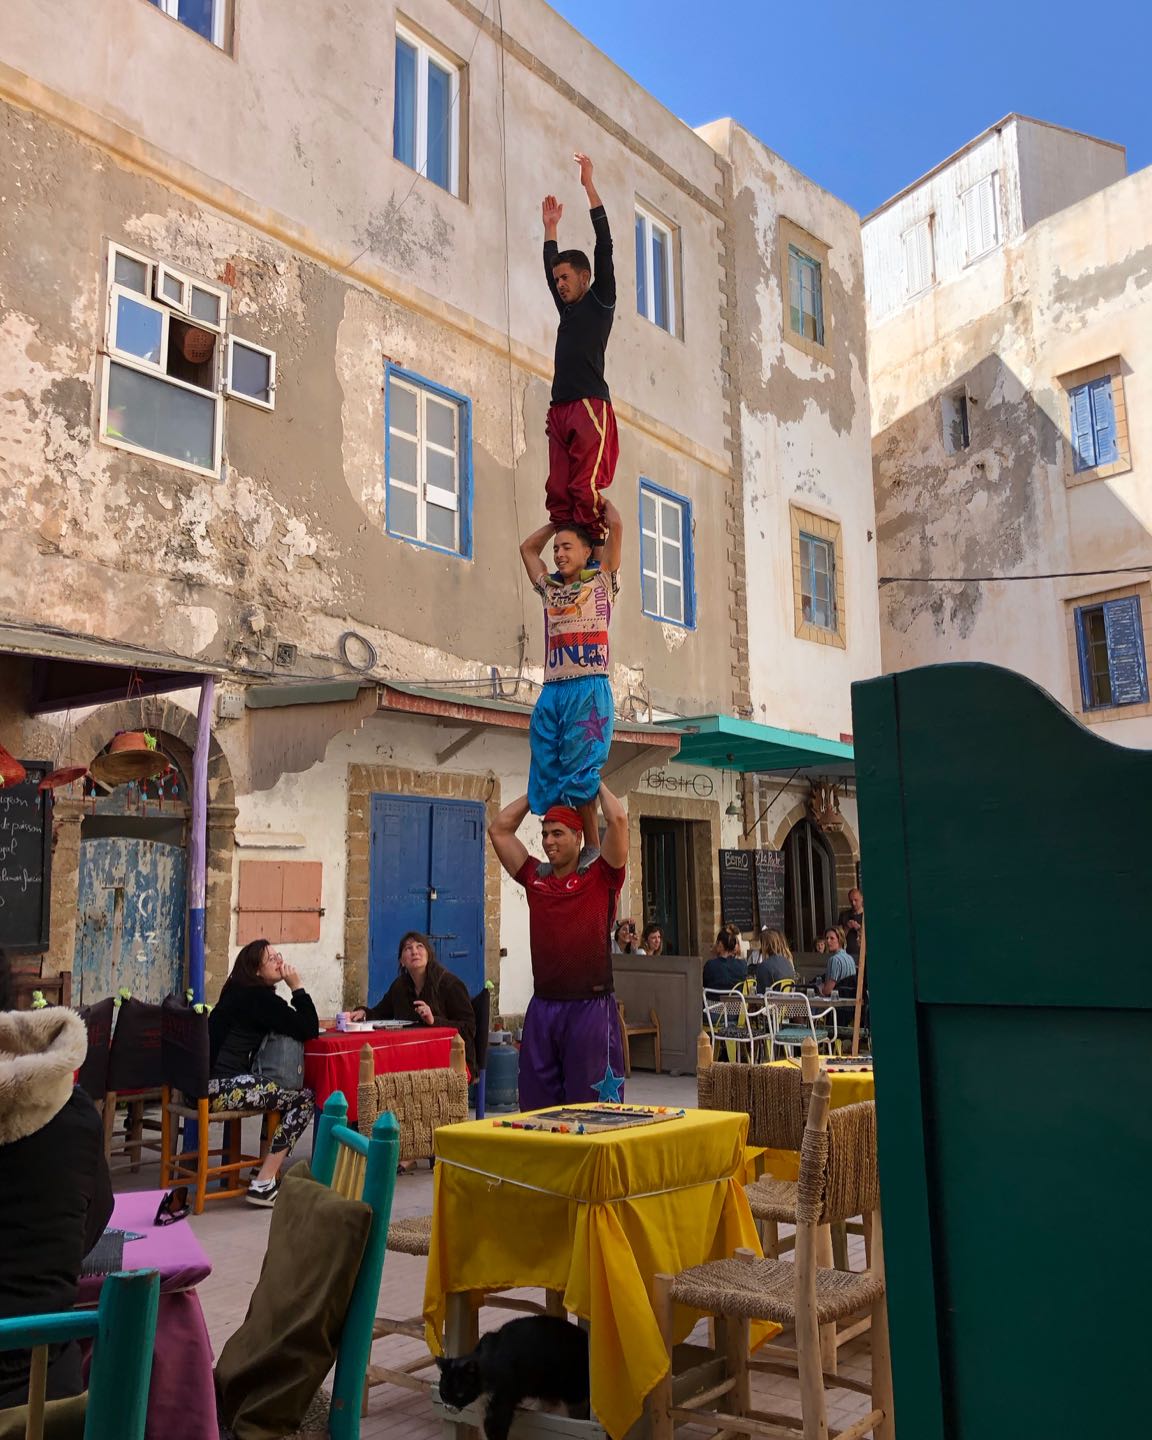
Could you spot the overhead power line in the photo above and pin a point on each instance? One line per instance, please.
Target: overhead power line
(996, 579)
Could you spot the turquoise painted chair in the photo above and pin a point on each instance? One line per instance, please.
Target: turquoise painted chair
(359, 1167)
(123, 1331)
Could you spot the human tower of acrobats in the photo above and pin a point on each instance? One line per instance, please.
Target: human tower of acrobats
(571, 1049)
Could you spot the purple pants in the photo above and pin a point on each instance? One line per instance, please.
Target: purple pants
(567, 1046)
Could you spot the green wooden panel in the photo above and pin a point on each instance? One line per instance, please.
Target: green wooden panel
(1006, 877)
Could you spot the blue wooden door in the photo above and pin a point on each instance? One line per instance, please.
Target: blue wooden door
(426, 873)
(131, 919)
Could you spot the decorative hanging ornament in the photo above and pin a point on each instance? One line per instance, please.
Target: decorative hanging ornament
(132, 755)
(67, 776)
(11, 770)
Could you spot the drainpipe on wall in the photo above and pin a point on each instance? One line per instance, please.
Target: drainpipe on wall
(198, 841)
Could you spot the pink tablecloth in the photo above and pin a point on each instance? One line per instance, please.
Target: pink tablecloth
(182, 1396)
(332, 1060)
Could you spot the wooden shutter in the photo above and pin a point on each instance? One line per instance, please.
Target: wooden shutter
(1126, 664)
(980, 217)
(1083, 430)
(1103, 420)
(1086, 695)
(918, 257)
(279, 901)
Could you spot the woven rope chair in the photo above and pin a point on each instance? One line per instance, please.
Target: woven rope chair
(803, 1295)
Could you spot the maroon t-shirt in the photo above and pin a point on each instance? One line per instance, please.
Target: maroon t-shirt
(570, 928)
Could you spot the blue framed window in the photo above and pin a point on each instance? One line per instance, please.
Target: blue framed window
(805, 295)
(425, 126)
(655, 282)
(667, 581)
(1110, 647)
(427, 463)
(1093, 424)
(817, 581)
(206, 17)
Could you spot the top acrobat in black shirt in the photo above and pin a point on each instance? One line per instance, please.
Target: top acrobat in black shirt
(584, 327)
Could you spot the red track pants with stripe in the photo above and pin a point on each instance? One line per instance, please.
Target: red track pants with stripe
(582, 451)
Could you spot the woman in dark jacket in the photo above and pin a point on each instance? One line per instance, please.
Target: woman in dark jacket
(55, 1194)
(247, 1012)
(425, 992)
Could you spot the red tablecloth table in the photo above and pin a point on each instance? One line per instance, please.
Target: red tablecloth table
(332, 1060)
(182, 1393)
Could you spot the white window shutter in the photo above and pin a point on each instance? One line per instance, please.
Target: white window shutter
(918, 257)
(972, 223)
(987, 189)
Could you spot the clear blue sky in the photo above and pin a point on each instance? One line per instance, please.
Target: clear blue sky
(865, 96)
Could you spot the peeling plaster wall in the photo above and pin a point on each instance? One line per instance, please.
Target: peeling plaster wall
(805, 432)
(132, 548)
(297, 120)
(1073, 291)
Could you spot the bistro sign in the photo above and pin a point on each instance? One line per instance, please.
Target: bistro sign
(698, 783)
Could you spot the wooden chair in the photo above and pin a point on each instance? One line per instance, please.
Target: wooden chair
(123, 1331)
(134, 1081)
(421, 1100)
(804, 1295)
(185, 1072)
(92, 1076)
(629, 1032)
(359, 1168)
(26, 980)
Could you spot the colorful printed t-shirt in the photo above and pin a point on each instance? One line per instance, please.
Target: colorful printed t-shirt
(569, 928)
(577, 614)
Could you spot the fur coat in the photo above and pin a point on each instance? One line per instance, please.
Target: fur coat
(55, 1194)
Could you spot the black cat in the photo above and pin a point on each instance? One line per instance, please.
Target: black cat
(540, 1357)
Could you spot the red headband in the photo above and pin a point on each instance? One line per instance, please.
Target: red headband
(564, 815)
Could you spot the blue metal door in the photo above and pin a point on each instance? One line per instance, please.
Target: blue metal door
(426, 869)
(131, 920)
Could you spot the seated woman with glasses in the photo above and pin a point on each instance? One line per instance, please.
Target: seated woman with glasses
(248, 1011)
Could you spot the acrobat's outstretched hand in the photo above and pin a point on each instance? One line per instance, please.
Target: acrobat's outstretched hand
(585, 164)
(551, 212)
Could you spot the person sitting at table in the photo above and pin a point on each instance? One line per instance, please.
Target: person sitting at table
(840, 972)
(775, 961)
(249, 1010)
(425, 993)
(652, 941)
(725, 970)
(55, 1191)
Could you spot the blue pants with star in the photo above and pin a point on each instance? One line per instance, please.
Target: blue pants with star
(570, 734)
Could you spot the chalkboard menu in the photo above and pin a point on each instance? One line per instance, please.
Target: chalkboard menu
(25, 862)
(736, 889)
(770, 888)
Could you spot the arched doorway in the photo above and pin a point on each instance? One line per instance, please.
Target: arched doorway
(132, 893)
(809, 886)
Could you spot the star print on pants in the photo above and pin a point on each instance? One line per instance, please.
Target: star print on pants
(609, 1088)
(593, 727)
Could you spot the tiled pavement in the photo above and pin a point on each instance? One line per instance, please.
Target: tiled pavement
(234, 1235)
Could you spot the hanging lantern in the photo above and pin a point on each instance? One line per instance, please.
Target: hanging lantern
(132, 755)
(11, 770)
(66, 776)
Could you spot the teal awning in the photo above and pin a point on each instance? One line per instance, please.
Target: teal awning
(722, 742)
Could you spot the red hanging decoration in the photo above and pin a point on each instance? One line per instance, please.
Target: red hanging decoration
(66, 776)
(11, 770)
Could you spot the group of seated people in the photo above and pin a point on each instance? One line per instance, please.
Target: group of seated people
(625, 940)
(727, 969)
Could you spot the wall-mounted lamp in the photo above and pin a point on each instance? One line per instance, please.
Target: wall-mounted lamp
(732, 810)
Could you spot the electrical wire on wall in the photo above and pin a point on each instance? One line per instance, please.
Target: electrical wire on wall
(998, 579)
(501, 96)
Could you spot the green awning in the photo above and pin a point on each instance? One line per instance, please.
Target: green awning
(722, 742)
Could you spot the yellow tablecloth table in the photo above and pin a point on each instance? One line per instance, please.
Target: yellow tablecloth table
(848, 1087)
(594, 1218)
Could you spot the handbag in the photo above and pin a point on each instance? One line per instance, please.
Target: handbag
(279, 1061)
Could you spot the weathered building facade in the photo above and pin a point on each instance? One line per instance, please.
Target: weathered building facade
(275, 352)
(1012, 418)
